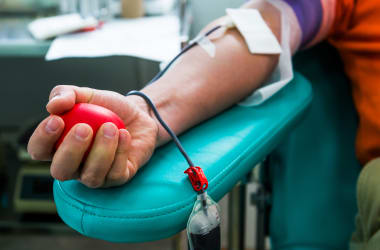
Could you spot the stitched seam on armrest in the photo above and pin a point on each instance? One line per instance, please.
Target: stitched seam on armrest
(61, 195)
(82, 220)
(172, 206)
(118, 217)
(139, 217)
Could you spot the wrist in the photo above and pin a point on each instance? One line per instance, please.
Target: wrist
(169, 105)
(145, 111)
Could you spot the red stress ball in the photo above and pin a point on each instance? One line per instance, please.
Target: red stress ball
(92, 114)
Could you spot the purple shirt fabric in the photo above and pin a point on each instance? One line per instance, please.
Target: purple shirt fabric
(309, 15)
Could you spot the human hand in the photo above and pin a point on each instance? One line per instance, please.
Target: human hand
(115, 155)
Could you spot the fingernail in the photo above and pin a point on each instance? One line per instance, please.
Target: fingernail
(52, 125)
(109, 130)
(55, 96)
(122, 134)
(82, 132)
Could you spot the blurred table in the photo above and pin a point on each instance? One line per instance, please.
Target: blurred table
(16, 41)
(27, 78)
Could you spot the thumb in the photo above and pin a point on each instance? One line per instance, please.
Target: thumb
(63, 98)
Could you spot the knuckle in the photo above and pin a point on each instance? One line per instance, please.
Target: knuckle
(56, 89)
(92, 181)
(72, 148)
(31, 152)
(57, 175)
(59, 87)
(132, 170)
(34, 156)
(119, 176)
(37, 156)
(122, 149)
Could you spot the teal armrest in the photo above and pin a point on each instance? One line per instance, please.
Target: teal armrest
(158, 201)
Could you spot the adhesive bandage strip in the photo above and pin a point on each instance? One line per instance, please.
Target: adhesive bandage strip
(205, 43)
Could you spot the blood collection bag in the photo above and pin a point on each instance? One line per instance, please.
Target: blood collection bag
(203, 226)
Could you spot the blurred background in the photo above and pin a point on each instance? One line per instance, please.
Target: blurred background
(28, 218)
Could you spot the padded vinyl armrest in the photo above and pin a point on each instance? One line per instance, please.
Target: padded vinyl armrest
(157, 202)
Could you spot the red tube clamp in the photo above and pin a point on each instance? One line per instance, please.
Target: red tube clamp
(197, 178)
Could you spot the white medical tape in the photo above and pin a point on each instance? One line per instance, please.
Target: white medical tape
(205, 44)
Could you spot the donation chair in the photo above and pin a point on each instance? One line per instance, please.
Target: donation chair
(312, 174)
(157, 202)
(312, 170)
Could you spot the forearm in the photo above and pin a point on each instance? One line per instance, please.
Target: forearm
(198, 87)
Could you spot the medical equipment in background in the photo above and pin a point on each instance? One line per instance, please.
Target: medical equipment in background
(50, 27)
(132, 8)
(3, 177)
(28, 7)
(158, 7)
(33, 190)
(32, 193)
(185, 21)
(99, 9)
(138, 8)
(260, 198)
(106, 9)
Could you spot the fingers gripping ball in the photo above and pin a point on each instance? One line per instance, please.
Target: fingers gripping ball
(92, 114)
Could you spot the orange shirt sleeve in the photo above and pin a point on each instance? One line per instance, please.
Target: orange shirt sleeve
(356, 35)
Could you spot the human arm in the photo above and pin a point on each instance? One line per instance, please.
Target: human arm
(194, 89)
(204, 85)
